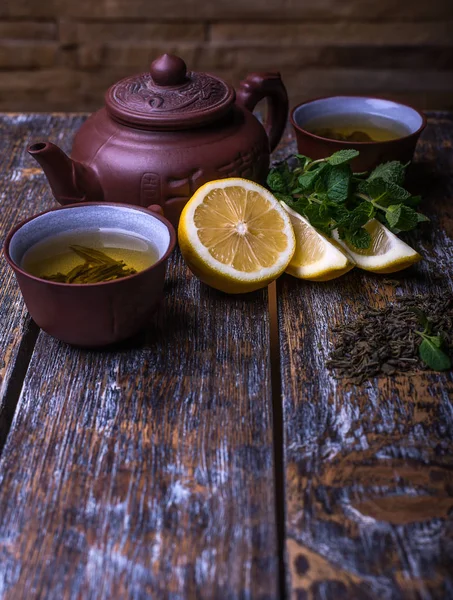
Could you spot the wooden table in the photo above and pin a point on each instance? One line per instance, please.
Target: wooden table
(203, 461)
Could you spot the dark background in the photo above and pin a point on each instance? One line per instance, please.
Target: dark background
(63, 54)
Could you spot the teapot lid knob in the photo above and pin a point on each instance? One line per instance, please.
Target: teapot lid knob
(168, 70)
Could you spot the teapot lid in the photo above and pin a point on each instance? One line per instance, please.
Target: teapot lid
(169, 97)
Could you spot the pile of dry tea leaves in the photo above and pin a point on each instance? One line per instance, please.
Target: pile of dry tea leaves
(395, 338)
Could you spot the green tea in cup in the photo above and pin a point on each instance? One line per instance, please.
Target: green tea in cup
(356, 128)
(89, 256)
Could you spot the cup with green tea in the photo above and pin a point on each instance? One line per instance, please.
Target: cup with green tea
(382, 130)
(91, 274)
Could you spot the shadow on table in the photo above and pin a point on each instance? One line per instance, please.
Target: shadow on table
(180, 316)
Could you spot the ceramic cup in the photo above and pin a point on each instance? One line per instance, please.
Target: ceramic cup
(97, 314)
(371, 153)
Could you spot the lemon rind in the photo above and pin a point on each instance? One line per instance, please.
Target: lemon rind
(399, 253)
(333, 259)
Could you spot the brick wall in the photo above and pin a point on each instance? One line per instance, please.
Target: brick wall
(63, 54)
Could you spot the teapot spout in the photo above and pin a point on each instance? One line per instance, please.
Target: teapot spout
(66, 177)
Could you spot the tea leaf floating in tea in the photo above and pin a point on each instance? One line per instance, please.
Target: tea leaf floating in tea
(89, 256)
(357, 128)
(97, 267)
(332, 134)
(92, 256)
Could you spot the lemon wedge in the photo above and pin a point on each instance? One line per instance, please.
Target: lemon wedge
(386, 254)
(235, 236)
(316, 257)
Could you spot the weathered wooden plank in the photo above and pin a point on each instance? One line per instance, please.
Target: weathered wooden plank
(23, 192)
(369, 470)
(146, 471)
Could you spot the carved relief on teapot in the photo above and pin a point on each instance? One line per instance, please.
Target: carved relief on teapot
(141, 93)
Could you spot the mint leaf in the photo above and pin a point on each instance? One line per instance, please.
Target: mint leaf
(318, 215)
(367, 208)
(391, 172)
(338, 183)
(360, 238)
(320, 186)
(276, 181)
(307, 180)
(433, 356)
(401, 217)
(350, 223)
(331, 196)
(381, 218)
(342, 232)
(342, 157)
(413, 201)
(435, 339)
(393, 214)
(284, 198)
(421, 218)
(408, 218)
(360, 216)
(341, 214)
(304, 161)
(384, 191)
(298, 204)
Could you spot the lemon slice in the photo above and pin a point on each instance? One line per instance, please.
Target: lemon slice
(386, 254)
(235, 236)
(316, 257)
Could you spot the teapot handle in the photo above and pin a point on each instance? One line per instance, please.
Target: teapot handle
(257, 86)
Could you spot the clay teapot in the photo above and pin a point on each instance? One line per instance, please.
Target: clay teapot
(163, 134)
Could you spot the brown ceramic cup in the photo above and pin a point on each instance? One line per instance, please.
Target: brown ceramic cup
(97, 314)
(408, 120)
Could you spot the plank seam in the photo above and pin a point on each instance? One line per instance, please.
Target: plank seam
(16, 382)
(278, 438)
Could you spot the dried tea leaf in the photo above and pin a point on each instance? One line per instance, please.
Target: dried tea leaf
(385, 340)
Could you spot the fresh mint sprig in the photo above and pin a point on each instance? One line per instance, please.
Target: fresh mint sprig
(430, 349)
(331, 196)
